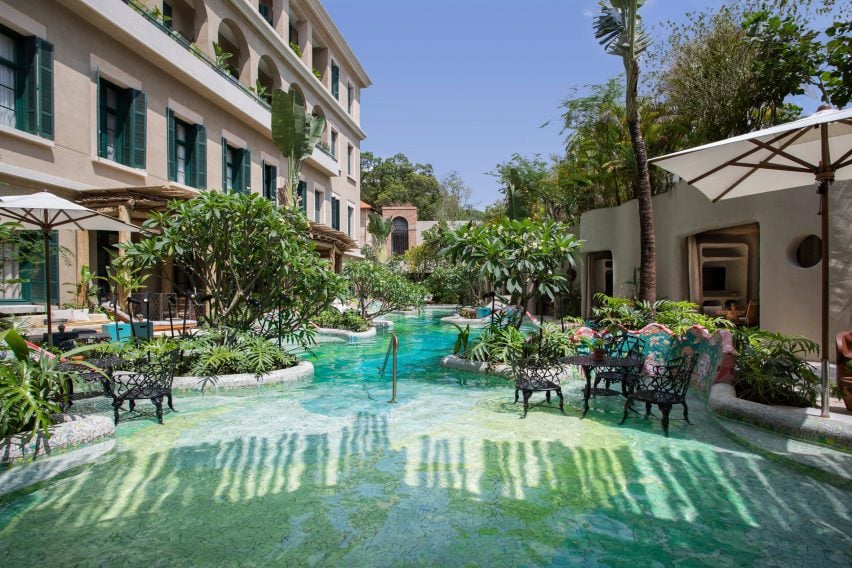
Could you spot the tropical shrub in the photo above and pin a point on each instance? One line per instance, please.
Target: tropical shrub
(454, 284)
(526, 258)
(218, 352)
(770, 368)
(379, 290)
(349, 320)
(30, 389)
(252, 256)
(498, 343)
(636, 314)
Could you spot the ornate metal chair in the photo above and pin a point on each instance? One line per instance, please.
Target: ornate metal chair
(621, 345)
(535, 373)
(144, 379)
(665, 387)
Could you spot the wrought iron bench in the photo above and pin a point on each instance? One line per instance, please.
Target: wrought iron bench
(145, 378)
(533, 373)
(665, 386)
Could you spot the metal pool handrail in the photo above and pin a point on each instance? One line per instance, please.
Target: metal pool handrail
(393, 347)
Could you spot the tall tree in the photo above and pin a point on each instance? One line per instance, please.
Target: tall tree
(398, 181)
(381, 229)
(619, 29)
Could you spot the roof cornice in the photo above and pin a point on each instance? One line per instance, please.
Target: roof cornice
(321, 15)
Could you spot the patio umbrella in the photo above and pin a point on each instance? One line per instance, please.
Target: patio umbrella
(817, 148)
(46, 212)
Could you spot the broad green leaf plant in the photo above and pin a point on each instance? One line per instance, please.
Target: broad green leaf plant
(296, 133)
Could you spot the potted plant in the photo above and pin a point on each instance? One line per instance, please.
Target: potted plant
(597, 346)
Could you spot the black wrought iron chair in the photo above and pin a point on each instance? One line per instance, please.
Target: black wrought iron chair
(666, 386)
(535, 373)
(621, 345)
(144, 379)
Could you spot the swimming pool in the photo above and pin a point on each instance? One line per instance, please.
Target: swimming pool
(326, 472)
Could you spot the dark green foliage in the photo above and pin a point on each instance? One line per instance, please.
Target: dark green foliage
(251, 255)
(636, 314)
(30, 389)
(770, 368)
(526, 258)
(396, 180)
(349, 320)
(217, 352)
(462, 340)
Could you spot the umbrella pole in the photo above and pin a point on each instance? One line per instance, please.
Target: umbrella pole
(46, 236)
(826, 393)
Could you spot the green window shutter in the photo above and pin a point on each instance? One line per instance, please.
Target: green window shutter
(171, 145)
(45, 89)
(335, 81)
(335, 213)
(33, 289)
(26, 102)
(245, 178)
(303, 196)
(224, 165)
(137, 116)
(101, 141)
(199, 157)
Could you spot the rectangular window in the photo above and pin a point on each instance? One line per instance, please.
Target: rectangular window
(121, 124)
(270, 181)
(318, 206)
(350, 151)
(335, 213)
(335, 81)
(26, 83)
(350, 96)
(187, 152)
(236, 168)
(334, 143)
(350, 214)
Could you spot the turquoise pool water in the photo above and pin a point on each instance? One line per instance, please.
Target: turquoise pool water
(326, 472)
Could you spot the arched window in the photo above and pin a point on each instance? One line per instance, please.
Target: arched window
(399, 236)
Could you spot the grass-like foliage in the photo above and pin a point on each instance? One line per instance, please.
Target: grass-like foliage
(636, 314)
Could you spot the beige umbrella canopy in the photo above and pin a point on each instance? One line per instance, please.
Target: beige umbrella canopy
(46, 212)
(817, 148)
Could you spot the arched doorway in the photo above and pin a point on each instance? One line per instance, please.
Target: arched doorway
(399, 236)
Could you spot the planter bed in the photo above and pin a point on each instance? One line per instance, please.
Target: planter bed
(304, 370)
(481, 367)
(472, 322)
(796, 423)
(71, 431)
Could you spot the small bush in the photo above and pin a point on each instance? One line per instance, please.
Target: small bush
(636, 314)
(770, 368)
(349, 320)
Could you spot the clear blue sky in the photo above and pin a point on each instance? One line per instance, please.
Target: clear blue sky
(464, 84)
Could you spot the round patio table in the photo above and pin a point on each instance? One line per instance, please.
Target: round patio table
(588, 363)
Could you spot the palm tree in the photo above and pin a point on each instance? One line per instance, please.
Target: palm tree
(381, 229)
(619, 29)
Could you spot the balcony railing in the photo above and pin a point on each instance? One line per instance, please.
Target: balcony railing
(322, 147)
(194, 49)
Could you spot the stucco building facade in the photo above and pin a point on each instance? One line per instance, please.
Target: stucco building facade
(122, 105)
(762, 249)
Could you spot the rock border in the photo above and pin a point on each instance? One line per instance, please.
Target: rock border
(483, 368)
(723, 401)
(72, 431)
(346, 334)
(304, 370)
(472, 322)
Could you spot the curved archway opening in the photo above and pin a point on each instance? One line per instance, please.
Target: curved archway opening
(231, 49)
(399, 236)
(268, 78)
